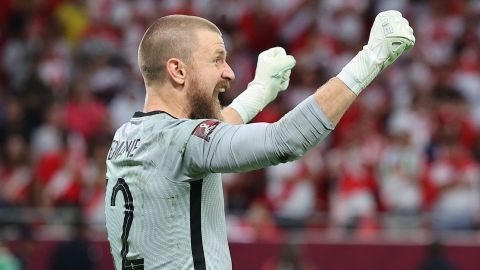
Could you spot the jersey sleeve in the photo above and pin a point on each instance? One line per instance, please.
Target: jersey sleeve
(217, 147)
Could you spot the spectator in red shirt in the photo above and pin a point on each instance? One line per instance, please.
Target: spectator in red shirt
(58, 175)
(83, 114)
(259, 27)
(15, 174)
(455, 175)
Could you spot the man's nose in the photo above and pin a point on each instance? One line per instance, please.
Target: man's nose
(228, 73)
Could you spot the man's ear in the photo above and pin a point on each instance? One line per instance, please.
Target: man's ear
(176, 70)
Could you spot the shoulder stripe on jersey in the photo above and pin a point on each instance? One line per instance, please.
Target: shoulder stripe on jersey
(196, 224)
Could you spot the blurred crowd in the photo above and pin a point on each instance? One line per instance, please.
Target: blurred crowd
(405, 156)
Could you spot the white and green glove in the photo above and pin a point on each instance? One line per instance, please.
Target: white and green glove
(271, 76)
(390, 36)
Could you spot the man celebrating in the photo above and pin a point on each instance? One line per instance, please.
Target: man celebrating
(164, 201)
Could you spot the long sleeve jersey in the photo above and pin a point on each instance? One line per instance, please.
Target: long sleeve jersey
(164, 198)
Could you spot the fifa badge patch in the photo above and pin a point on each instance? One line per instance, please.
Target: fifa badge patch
(204, 129)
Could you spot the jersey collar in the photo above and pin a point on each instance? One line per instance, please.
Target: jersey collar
(142, 114)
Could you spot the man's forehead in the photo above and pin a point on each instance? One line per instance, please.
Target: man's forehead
(210, 42)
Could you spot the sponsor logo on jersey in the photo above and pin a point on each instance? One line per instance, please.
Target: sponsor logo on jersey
(204, 129)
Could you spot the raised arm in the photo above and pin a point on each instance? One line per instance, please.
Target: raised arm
(390, 36)
(247, 147)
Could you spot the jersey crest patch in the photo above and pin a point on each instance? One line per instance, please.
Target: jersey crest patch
(204, 129)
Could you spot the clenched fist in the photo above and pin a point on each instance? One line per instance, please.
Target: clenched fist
(390, 36)
(272, 75)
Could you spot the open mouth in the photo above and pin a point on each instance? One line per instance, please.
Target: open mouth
(222, 86)
(221, 96)
(220, 89)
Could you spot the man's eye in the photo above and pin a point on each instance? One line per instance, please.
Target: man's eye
(219, 61)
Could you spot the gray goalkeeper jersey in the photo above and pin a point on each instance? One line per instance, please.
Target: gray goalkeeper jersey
(164, 199)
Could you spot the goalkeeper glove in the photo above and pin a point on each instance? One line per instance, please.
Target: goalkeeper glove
(390, 36)
(272, 75)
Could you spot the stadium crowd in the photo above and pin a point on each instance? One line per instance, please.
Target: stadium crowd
(405, 156)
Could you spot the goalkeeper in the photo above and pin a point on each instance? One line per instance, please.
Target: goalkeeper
(164, 201)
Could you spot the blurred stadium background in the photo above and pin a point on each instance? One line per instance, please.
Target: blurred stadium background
(396, 186)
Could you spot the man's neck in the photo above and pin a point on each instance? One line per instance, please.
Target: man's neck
(167, 100)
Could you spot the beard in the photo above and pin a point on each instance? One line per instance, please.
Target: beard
(201, 104)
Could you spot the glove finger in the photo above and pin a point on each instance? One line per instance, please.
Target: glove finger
(410, 29)
(286, 62)
(407, 33)
(281, 64)
(285, 80)
(404, 29)
(391, 13)
(401, 24)
(279, 51)
(403, 20)
(286, 75)
(272, 52)
(411, 36)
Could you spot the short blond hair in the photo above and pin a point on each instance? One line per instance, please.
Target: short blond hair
(172, 36)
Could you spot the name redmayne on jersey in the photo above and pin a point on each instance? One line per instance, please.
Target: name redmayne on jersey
(122, 147)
